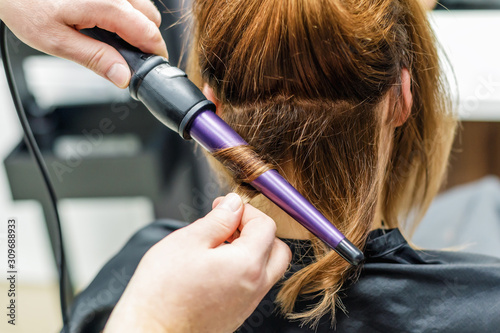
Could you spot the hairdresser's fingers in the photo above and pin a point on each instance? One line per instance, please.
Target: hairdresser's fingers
(99, 57)
(121, 17)
(257, 232)
(236, 233)
(278, 261)
(220, 224)
(148, 8)
(216, 202)
(234, 236)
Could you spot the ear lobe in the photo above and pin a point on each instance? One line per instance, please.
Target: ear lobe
(209, 94)
(406, 98)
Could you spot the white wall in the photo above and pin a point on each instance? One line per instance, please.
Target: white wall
(471, 42)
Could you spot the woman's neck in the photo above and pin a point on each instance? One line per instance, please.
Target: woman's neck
(286, 226)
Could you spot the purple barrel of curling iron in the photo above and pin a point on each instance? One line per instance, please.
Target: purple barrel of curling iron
(214, 134)
(173, 99)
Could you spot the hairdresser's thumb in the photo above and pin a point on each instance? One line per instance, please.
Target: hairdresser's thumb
(221, 223)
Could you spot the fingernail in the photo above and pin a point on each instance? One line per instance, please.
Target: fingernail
(231, 202)
(119, 75)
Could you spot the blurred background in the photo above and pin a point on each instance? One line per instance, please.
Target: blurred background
(116, 169)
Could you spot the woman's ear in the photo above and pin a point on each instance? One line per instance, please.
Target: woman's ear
(406, 98)
(209, 94)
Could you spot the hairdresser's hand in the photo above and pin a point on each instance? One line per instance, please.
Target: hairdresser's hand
(192, 281)
(52, 26)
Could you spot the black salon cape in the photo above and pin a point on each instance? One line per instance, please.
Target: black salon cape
(399, 290)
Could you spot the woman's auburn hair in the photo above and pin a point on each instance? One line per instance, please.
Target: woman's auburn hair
(303, 82)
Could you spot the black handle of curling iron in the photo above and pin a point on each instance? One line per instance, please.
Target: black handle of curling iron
(164, 89)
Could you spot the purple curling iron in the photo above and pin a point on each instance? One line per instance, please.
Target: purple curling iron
(173, 99)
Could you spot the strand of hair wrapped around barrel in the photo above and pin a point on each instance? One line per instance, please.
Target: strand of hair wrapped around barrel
(245, 165)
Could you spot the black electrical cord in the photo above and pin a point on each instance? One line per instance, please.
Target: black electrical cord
(35, 151)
